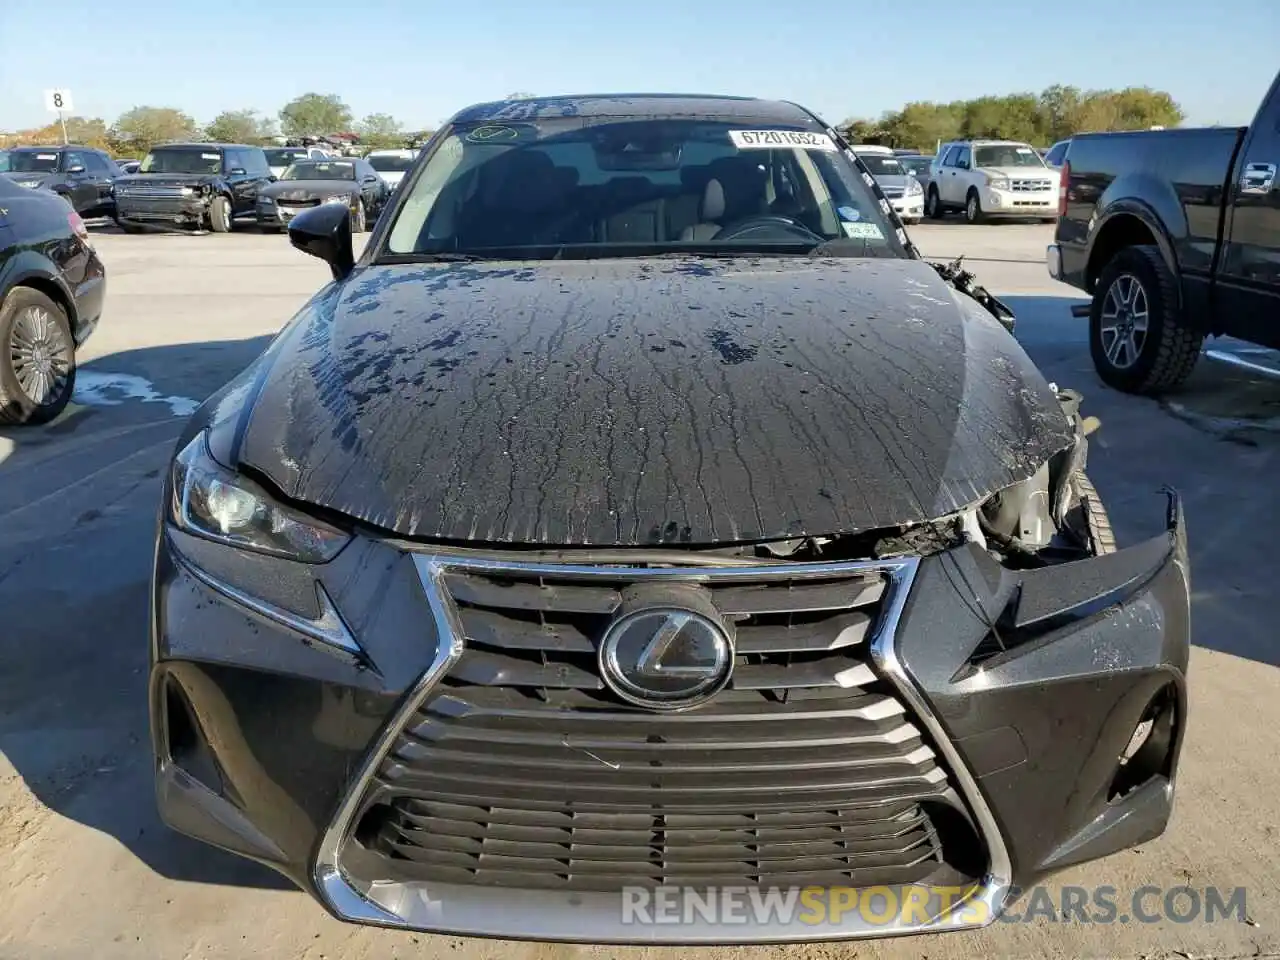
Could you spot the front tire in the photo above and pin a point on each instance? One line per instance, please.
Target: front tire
(37, 358)
(1138, 337)
(220, 215)
(973, 208)
(933, 205)
(359, 221)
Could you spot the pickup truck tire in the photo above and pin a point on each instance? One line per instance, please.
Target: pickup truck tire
(220, 215)
(1137, 286)
(37, 358)
(973, 207)
(933, 208)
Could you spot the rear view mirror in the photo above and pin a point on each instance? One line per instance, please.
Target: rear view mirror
(325, 232)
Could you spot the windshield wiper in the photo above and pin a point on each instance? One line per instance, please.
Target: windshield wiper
(442, 257)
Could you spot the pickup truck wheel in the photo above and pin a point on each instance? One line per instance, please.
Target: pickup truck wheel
(972, 208)
(220, 215)
(1139, 340)
(37, 358)
(933, 205)
(359, 222)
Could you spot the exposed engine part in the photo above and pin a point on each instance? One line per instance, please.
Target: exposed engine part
(964, 281)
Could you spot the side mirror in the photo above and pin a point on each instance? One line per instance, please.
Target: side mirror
(370, 179)
(236, 171)
(272, 177)
(325, 232)
(76, 168)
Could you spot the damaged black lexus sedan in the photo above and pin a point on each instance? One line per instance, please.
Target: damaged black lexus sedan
(640, 514)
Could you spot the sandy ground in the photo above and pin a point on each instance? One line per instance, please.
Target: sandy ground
(90, 873)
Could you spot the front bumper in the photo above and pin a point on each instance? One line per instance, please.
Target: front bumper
(909, 207)
(281, 695)
(192, 210)
(1016, 203)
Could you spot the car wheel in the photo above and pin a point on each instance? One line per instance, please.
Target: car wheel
(933, 205)
(220, 215)
(1138, 337)
(37, 358)
(972, 208)
(358, 221)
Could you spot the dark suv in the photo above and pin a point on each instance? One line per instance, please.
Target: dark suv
(82, 176)
(193, 184)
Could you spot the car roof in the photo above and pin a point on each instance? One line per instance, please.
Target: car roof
(638, 106)
(872, 148)
(52, 146)
(207, 146)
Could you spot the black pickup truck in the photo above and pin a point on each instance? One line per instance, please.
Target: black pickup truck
(1176, 235)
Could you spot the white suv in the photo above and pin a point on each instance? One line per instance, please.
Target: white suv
(992, 178)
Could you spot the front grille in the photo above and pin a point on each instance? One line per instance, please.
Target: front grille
(1028, 186)
(150, 193)
(522, 769)
(297, 204)
(893, 193)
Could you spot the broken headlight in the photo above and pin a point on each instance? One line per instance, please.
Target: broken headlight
(212, 502)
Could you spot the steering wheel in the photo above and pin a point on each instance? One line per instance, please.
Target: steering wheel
(765, 221)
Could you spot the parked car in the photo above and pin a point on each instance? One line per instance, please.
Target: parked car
(4, 161)
(902, 189)
(1176, 236)
(308, 183)
(392, 165)
(279, 158)
(1055, 155)
(82, 176)
(638, 509)
(991, 179)
(193, 185)
(918, 167)
(906, 152)
(52, 287)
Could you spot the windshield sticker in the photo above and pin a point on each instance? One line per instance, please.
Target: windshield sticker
(210, 156)
(849, 214)
(769, 139)
(493, 133)
(862, 231)
(1025, 151)
(46, 156)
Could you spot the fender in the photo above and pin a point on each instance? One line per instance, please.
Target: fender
(1163, 219)
(29, 265)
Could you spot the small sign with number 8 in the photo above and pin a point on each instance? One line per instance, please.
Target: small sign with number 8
(58, 101)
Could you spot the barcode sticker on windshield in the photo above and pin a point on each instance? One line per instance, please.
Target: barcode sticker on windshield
(1025, 150)
(46, 156)
(862, 231)
(209, 156)
(771, 139)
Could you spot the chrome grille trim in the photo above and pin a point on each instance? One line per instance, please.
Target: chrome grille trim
(1032, 186)
(158, 193)
(545, 914)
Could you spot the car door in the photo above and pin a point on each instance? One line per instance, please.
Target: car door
(961, 176)
(371, 186)
(104, 171)
(946, 179)
(80, 188)
(1248, 281)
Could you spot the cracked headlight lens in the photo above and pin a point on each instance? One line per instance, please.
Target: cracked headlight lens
(212, 502)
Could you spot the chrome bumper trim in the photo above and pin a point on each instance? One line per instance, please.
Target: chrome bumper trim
(574, 916)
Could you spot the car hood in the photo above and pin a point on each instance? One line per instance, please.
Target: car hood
(899, 180)
(1019, 173)
(166, 179)
(633, 401)
(306, 189)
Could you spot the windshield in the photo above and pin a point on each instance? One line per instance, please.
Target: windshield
(282, 158)
(4, 161)
(185, 160)
(32, 161)
(916, 165)
(882, 165)
(599, 187)
(320, 170)
(1006, 155)
(389, 163)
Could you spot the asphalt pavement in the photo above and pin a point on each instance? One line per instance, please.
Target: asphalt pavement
(90, 872)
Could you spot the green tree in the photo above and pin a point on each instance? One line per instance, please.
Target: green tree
(315, 114)
(240, 126)
(1058, 104)
(137, 130)
(85, 131)
(381, 130)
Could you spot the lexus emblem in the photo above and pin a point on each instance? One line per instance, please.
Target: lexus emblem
(666, 658)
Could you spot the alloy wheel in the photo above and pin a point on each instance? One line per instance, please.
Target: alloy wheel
(1123, 330)
(40, 355)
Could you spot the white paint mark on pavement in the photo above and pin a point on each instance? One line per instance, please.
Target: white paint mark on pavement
(95, 389)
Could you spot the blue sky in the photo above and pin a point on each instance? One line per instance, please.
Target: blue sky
(422, 60)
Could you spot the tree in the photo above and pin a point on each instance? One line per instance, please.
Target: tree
(1058, 105)
(240, 126)
(138, 129)
(381, 130)
(88, 132)
(315, 114)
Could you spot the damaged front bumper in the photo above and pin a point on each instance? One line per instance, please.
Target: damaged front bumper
(358, 726)
(185, 211)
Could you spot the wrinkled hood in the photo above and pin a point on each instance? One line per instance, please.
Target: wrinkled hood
(306, 189)
(166, 179)
(634, 401)
(1019, 173)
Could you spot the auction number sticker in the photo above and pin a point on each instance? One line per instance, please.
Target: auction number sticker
(862, 231)
(210, 156)
(770, 139)
(46, 156)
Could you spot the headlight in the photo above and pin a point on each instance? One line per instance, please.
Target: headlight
(998, 183)
(212, 502)
(337, 199)
(913, 187)
(188, 191)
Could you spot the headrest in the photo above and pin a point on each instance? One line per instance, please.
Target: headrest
(712, 201)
